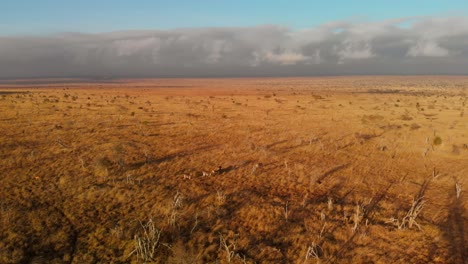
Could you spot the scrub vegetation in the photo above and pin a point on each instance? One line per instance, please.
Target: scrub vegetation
(294, 170)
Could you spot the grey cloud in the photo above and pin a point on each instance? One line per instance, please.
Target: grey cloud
(426, 46)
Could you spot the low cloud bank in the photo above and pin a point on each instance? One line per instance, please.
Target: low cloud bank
(401, 46)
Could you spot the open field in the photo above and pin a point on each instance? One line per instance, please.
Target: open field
(299, 170)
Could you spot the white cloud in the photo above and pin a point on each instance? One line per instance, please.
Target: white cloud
(428, 49)
(355, 51)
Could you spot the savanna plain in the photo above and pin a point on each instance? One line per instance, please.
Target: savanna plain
(280, 170)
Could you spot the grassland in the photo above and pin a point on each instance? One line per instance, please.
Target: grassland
(299, 170)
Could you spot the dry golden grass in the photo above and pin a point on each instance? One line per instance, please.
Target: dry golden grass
(313, 170)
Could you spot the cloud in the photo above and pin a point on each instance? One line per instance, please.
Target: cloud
(355, 51)
(428, 49)
(284, 58)
(400, 46)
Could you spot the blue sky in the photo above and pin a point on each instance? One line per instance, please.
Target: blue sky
(24, 17)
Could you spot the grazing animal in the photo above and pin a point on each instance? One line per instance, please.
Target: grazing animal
(204, 174)
(187, 176)
(217, 171)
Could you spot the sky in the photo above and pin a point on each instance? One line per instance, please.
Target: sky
(85, 38)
